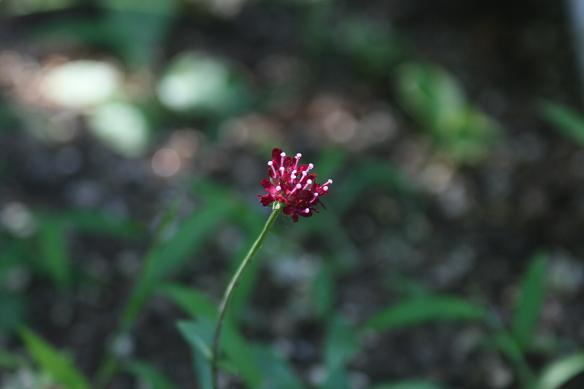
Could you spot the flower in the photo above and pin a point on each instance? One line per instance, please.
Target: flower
(293, 185)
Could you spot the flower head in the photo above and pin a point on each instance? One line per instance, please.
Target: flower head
(292, 184)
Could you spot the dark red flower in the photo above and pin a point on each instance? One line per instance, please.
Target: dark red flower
(293, 185)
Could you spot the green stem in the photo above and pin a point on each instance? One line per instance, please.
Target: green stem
(233, 285)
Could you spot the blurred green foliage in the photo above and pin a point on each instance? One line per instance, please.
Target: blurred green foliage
(436, 100)
(203, 87)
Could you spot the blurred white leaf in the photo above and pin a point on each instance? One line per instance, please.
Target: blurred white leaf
(121, 126)
(81, 84)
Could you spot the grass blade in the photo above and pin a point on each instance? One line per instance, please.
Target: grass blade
(51, 361)
(414, 384)
(149, 376)
(421, 310)
(569, 122)
(562, 371)
(531, 299)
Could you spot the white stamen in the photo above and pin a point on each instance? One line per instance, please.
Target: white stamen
(281, 169)
(309, 182)
(298, 186)
(307, 210)
(314, 198)
(325, 188)
(310, 166)
(271, 164)
(278, 188)
(298, 156)
(328, 182)
(282, 155)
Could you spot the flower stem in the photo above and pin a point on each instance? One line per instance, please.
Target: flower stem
(255, 247)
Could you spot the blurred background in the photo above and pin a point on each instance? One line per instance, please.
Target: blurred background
(134, 134)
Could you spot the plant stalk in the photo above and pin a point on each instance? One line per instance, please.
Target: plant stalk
(255, 247)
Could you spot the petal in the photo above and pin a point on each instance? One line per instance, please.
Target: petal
(266, 200)
(276, 155)
(266, 183)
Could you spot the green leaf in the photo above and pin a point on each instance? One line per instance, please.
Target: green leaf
(422, 310)
(55, 254)
(509, 347)
(569, 122)
(149, 377)
(238, 351)
(531, 299)
(190, 300)
(323, 291)
(341, 343)
(374, 47)
(436, 101)
(276, 372)
(431, 96)
(168, 257)
(199, 335)
(558, 373)
(51, 361)
(414, 384)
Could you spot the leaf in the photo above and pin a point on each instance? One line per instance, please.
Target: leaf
(276, 372)
(238, 351)
(190, 300)
(166, 258)
(531, 299)
(431, 96)
(53, 362)
(323, 291)
(55, 254)
(149, 376)
(558, 373)
(373, 47)
(423, 310)
(436, 100)
(569, 122)
(199, 335)
(341, 343)
(414, 384)
(509, 347)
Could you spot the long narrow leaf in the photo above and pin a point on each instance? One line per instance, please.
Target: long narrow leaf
(423, 310)
(149, 376)
(55, 254)
(530, 302)
(169, 257)
(569, 122)
(414, 384)
(52, 362)
(562, 371)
